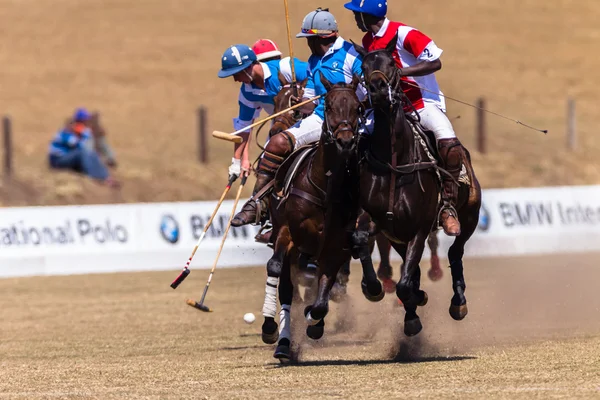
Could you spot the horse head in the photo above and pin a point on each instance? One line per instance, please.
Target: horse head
(343, 112)
(283, 100)
(382, 79)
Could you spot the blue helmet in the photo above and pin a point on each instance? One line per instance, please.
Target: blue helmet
(235, 59)
(81, 114)
(377, 8)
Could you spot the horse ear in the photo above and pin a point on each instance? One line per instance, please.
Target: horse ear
(326, 83)
(359, 49)
(355, 81)
(392, 44)
(282, 79)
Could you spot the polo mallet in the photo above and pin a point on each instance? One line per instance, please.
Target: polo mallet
(289, 35)
(186, 270)
(200, 306)
(233, 137)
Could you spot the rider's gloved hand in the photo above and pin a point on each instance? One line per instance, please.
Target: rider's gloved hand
(235, 169)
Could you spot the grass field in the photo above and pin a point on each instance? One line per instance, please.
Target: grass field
(532, 332)
(147, 65)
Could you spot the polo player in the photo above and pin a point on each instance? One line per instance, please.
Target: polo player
(418, 58)
(260, 84)
(335, 59)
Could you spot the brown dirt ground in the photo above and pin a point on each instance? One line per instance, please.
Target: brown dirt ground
(147, 64)
(532, 332)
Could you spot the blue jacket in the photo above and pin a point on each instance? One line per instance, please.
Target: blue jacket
(66, 141)
(252, 99)
(338, 65)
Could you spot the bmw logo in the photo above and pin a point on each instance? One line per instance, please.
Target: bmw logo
(484, 219)
(169, 229)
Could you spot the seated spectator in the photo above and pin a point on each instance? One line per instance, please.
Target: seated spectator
(73, 148)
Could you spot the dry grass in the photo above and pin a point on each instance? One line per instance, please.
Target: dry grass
(147, 64)
(531, 333)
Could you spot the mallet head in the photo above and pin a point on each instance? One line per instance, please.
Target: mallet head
(180, 278)
(195, 304)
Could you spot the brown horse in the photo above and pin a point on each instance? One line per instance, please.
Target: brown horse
(314, 212)
(282, 101)
(399, 188)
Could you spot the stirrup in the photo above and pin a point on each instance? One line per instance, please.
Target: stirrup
(265, 229)
(449, 208)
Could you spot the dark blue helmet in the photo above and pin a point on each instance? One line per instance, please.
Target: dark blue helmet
(81, 115)
(377, 8)
(235, 59)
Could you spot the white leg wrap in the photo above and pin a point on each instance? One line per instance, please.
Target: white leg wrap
(270, 304)
(284, 322)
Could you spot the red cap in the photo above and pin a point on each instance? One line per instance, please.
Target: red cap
(265, 48)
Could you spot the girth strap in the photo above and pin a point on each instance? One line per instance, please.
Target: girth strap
(402, 169)
(307, 196)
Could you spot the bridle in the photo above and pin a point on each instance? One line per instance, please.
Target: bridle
(331, 133)
(290, 118)
(395, 93)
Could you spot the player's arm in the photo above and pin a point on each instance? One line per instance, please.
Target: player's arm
(424, 50)
(248, 112)
(309, 92)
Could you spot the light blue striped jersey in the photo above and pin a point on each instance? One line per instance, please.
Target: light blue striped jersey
(338, 65)
(252, 99)
(65, 141)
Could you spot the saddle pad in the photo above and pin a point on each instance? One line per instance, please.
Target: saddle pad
(301, 155)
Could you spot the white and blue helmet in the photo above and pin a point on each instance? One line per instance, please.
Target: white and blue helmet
(235, 59)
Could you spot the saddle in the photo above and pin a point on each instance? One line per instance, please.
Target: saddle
(290, 168)
(280, 186)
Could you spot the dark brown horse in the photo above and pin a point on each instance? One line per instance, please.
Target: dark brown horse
(315, 214)
(400, 188)
(282, 101)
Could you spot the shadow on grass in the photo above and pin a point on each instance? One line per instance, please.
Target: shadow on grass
(396, 360)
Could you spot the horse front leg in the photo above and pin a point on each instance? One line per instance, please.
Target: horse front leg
(385, 270)
(328, 269)
(362, 247)
(370, 285)
(286, 295)
(274, 268)
(408, 288)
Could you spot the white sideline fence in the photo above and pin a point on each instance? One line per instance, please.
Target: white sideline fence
(160, 236)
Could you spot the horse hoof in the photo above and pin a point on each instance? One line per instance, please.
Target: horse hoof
(412, 327)
(435, 274)
(369, 296)
(424, 300)
(389, 285)
(458, 312)
(283, 352)
(269, 332)
(316, 332)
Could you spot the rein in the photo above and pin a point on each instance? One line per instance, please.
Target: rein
(397, 99)
(329, 135)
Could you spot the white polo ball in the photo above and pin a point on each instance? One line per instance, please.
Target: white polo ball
(249, 318)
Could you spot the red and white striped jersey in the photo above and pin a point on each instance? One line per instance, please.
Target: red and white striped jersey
(412, 48)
